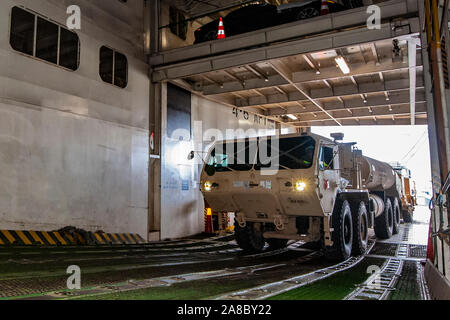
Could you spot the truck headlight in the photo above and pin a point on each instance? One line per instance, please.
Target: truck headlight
(300, 186)
(207, 186)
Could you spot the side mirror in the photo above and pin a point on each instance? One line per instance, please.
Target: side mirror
(338, 136)
(191, 155)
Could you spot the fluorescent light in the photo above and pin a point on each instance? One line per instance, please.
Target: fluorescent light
(291, 116)
(342, 65)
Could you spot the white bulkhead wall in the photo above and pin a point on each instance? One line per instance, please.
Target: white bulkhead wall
(74, 149)
(182, 207)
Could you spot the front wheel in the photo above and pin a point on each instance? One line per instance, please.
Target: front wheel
(342, 235)
(250, 238)
(275, 244)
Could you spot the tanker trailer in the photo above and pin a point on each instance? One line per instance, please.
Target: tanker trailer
(313, 189)
(384, 187)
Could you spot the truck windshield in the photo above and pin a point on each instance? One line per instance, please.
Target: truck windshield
(237, 156)
(290, 153)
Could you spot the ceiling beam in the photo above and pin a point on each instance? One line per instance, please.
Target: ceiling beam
(397, 110)
(404, 120)
(281, 69)
(356, 69)
(312, 63)
(401, 98)
(338, 92)
(307, 77)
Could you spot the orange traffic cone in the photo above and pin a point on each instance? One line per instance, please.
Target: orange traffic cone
(221, 33)
(324, 9)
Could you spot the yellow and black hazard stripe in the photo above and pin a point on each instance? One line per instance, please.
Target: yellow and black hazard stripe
(118, 238)
(55, 238)
(28, 238)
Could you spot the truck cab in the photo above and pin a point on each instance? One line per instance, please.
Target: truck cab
(301, 187)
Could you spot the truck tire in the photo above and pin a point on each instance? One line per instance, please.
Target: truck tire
(384, 223)
(397, 213)
(275, 244)
(407, 217)
(342, 235)
(360, 228)
(249, 238)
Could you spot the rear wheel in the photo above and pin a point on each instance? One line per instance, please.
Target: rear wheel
(396, 212)
(360, 228)
(250, 238)
(342, 235)
(407, 217)
(384, 223)
(275, 244)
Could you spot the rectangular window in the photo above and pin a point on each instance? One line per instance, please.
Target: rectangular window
(120, 70)
(47, 41)
(113, 67)
(326, 158)
(289, 153)
(22, 31)
(68, 54)
(106, 64)
(38, 37)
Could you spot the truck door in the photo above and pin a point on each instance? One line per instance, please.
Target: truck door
(328, 166)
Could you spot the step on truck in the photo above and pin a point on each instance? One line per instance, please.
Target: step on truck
(302, 187)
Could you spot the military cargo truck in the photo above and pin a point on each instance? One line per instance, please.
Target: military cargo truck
(409, 192)
(307, 188)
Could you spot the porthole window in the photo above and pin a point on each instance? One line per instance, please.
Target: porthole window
(113, 67)
(40, 38)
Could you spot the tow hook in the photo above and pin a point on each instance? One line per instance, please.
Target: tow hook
(240, 218)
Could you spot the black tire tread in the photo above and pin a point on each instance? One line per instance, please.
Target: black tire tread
(337, 251)
(382, 229)
(275, 244)
(246, 240)
(359, 245)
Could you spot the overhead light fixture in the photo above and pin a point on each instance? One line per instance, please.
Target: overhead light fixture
(292, 117)
(342, 64)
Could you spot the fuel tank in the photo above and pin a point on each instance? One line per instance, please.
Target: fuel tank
(377, 175)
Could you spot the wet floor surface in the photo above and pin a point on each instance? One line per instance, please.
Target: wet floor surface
(199, 268)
